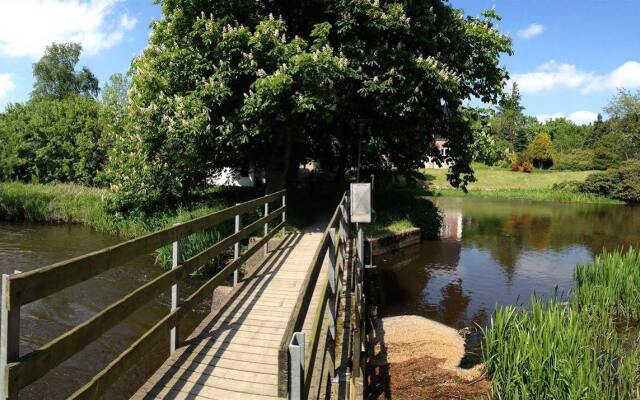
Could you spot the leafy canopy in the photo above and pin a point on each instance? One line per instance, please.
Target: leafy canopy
(226, 84)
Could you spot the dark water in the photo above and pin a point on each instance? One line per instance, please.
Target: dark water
(26, 247)
(500, 252)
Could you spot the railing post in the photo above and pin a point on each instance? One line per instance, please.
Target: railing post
(236, 249)
(266, 228)
(284, 203)
(175, 296)
(9, 338)
(296, 367)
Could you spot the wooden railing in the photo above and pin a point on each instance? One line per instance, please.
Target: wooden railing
(296, 363)
(23, 288)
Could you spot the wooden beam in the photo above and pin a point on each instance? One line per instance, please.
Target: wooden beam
(33, 285)
(127, 359)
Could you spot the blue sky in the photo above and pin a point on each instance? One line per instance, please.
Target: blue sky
(112, 33)
(570, 55)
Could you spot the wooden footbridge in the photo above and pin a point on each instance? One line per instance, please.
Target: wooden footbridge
(273, 337)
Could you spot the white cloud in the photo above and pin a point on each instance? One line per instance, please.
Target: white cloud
(531, 31)
(6, 84)
(578, 117)
(582, 117)
(27, 26)
(553, 75)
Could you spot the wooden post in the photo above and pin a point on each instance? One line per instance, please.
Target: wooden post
(266, 228)
(175, 296)
(284, 203)
(332, 282)
(236, 250)
(296, 367)
(9, 339)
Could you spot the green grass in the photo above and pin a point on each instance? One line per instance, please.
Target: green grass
(576, 350)
(498, 183)
(489, 178)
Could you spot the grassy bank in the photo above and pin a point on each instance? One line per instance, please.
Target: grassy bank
(576, 350)
(398, 210)
(498, 183)
(559, 196)
(64, 203)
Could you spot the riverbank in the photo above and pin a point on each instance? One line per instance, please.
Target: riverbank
(585, 348)
(551, 195)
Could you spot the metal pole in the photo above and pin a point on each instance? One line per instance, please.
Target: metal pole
(296, 367)
(236, 249)
(9, 338)
(175, 295)
(266, 228)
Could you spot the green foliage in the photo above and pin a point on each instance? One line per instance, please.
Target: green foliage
(574, 351)
(52, 140)
(486, 147)
(540, 151)
(622, 183)
(576, 160)
(223, 85)
(56, 77)
(509, 123)
(624, 123)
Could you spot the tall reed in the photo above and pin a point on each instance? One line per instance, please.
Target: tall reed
(576, 350)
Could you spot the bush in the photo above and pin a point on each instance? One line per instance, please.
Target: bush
(515, 166)
(622, 183)
(527, 167)
(52, 141)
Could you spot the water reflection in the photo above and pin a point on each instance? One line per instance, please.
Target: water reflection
(500, 252)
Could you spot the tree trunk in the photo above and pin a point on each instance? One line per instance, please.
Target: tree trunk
(279, 161)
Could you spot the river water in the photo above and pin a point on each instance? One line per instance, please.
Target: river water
(496, 252)
(26, 247)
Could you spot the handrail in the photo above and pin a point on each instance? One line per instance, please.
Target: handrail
(34, 285)
(22, 371)
(298, 315)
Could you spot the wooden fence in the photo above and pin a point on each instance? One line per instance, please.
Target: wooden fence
(296, 364)
(19, 371)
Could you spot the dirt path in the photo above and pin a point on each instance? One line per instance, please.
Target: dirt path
(416, 358)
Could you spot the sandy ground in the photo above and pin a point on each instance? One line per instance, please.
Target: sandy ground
(416, 358)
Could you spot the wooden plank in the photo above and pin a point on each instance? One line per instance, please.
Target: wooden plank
(105, 378)
(36, 364)
(33, 285)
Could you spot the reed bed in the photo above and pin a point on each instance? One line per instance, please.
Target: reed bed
(586, 348)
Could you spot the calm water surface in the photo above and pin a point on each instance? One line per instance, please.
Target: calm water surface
(495, 252)
(26, 247)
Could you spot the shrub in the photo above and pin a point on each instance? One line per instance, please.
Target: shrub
(527, 167)
(515, 166)
(622, 183)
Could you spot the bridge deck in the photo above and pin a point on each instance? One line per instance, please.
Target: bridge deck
(233, 354)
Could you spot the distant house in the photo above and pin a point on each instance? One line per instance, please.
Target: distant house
(232, 177)
(441, 144)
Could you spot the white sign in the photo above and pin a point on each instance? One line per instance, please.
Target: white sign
(361, 202)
